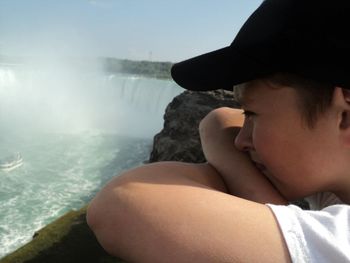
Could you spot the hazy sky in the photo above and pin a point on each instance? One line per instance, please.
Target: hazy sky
(160, 30)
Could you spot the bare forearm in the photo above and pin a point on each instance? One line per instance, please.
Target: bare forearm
(247, 182)
(241, 177)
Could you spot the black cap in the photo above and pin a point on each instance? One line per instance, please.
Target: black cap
(310, 38)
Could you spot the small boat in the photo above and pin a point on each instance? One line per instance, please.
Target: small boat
(11, 162)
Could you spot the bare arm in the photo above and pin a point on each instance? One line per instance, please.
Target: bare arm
(218, 131)
(175, 212)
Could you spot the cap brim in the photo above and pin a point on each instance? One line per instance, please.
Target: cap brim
(220, 69)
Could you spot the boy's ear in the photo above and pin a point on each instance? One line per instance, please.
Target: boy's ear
(341, 98)
(346, 94)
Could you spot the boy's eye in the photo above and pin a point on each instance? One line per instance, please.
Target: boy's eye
(248, 114)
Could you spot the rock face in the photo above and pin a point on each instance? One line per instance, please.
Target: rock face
(179, 139)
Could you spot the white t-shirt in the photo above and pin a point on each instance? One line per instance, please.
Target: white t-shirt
(321, 236)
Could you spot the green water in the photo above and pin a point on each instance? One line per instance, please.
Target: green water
(60, 172)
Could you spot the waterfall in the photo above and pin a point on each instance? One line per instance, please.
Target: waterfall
(76, 128)
(65, 99)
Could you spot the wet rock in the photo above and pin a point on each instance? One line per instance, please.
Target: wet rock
(179, 139)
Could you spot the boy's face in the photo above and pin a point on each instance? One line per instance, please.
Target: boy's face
(297, 159)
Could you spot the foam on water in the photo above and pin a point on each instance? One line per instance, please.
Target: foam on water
(52, 182)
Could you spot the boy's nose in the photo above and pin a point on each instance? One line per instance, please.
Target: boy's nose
(243, 140)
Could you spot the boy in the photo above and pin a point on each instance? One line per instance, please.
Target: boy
(289, 66)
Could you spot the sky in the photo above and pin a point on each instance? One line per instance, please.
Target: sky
(157, 30)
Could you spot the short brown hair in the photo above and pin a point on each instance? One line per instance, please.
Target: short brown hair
(315, 96)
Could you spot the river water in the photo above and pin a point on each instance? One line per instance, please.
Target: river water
(75, 129)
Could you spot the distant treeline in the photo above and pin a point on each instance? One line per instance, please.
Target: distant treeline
(145, 68)
(152, 69)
